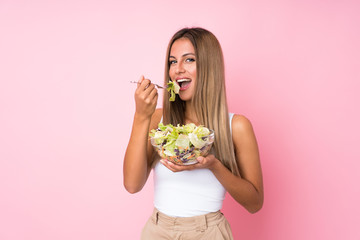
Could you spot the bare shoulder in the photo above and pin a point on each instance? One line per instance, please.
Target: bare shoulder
(241, 124)
(156, 118)
(242, 132)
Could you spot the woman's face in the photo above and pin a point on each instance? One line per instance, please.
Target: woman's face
(183, 67)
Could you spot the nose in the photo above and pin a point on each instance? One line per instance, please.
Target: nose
(180, 68)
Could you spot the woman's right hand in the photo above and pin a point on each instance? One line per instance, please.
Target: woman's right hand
(138, 155)
(146, 96)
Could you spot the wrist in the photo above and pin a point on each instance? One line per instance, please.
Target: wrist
(215, 165)
(142, 118)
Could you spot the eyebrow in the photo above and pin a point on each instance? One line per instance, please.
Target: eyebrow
(184, 55)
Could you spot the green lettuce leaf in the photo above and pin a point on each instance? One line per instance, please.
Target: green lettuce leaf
(173, 88)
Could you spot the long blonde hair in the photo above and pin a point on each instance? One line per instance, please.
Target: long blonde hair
(209, 99)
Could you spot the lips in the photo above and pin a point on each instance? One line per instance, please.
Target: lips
(184, 83)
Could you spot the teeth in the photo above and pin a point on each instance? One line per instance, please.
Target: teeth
(184, 80)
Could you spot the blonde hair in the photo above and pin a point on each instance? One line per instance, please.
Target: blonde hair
(209, 99)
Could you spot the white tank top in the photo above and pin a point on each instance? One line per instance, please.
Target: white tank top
(187, 193)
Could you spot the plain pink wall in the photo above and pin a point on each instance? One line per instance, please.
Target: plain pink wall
(66, 108)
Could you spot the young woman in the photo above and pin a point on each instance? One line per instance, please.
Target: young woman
(188, 199)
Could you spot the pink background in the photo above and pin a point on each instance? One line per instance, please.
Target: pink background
(66, 108)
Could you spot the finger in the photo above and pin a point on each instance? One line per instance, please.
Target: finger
(141, 79)
(148, 83)
(154, 93)
(172, 166)
(144, 83)
(149, 88)
(179, 168)
(141, 84)
(166, 164)
(200, 159)
(145, 89)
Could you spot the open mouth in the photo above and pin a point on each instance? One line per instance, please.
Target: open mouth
(184, 83)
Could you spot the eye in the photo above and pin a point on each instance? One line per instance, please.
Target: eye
(190, 60)
(171, 62)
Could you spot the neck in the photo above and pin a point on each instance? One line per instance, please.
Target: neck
(190, 114)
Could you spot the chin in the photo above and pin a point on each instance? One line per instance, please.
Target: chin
(185, 97)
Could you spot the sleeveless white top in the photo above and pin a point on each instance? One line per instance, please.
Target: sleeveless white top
(187, 193)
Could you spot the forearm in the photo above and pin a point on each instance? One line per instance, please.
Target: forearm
(136, 167)
(243, 191)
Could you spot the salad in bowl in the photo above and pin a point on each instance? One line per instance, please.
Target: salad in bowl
(182, 145)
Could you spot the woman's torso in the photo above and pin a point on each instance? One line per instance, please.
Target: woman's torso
(187, 193)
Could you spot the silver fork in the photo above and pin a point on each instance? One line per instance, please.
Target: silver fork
(157, 85)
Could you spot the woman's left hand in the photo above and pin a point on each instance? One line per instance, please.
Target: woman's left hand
(208, 162)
